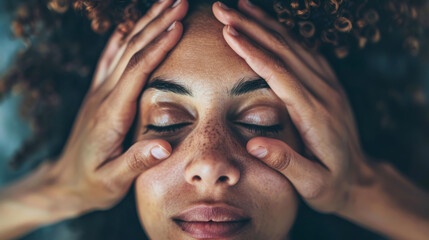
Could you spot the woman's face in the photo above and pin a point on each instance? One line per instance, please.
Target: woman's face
(210, 187)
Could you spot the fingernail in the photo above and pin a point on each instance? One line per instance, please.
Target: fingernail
(250, 4)
(232, 31)
(259, 152)
(177, 2)
(159, 152)
(171, 27)
(223, 6)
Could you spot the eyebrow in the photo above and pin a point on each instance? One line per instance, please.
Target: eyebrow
(242, 87)
(169, 86)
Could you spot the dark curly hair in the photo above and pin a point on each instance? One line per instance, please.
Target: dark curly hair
(378, 48)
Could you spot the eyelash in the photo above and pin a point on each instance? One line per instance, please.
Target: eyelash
(261, 130)
(257, 129)
(166, 129)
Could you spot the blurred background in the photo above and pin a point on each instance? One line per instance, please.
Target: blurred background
(387, 107)
(13, 130)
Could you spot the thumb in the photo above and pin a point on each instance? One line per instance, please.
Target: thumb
(306, 176)
(137, 159)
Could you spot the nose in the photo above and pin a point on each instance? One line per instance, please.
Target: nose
(212, 171)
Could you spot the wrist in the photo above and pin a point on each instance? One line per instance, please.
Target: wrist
(385, 202)
(31, 203)
(40, 197)
(59, 201)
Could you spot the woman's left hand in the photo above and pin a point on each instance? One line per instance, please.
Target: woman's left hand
(315, 101)
(337, 177)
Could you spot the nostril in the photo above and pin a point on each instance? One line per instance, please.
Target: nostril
(223, 179)
(196, 178)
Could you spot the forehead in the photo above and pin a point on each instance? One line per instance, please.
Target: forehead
(202, 56)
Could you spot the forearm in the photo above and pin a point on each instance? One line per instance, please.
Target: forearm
(390, 205)
(29, 204)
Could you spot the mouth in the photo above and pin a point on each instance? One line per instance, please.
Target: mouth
(204, 222)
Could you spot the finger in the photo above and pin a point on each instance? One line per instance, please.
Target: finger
(247, 7)
(260, 16)
(297, 58)
(314, 58)
(284, 84)
(308, 177)
(106, 58)
(255, 31)
(144, 37)
(155, 10)
(121, 103)
(137, 159)
(308, 114)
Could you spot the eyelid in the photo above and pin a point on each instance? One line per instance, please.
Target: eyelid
(260, 115)
(164, 116)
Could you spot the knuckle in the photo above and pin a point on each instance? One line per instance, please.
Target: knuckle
(137, 160)
(132, 43)
(315, 190)
(95, 122)
(279, 40)
(151, 13)
(166, 18)
(137, 59)
(280, 160)
(110, 187)
(338, 99)
(240, 17)
(160, 45)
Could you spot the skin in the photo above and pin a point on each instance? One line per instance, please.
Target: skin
(330, 171)
(335, 176)
(94, 172)
(213, 145)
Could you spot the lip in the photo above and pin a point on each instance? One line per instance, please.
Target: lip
(212, 221)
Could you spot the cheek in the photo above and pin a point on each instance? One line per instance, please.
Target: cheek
(154, 199)
(268, 196)
(275, 200)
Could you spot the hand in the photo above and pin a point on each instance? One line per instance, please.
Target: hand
(93, 172)
(317, 105)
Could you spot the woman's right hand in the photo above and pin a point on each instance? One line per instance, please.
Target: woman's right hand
(93, 172)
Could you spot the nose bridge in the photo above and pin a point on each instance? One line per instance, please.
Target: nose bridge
(212, 164)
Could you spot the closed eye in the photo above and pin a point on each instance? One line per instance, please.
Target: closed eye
(256, 129)
(261, 130)
(166, 129)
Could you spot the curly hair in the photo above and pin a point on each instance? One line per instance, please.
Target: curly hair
(378, 49)
(57, 59)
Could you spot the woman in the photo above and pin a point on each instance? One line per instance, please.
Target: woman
(215, 151)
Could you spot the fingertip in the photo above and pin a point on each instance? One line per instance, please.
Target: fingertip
(183, 7)
(232, 37)
(173, 34)
(178, 26)
(159, 152)
(232, 31)
(262, 142)
(257, 147)
(166, 145)
(160, 149)
(220, 12)
(258, 141)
